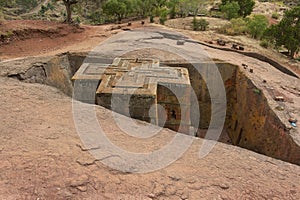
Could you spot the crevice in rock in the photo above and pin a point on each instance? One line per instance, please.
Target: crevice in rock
(239, 137)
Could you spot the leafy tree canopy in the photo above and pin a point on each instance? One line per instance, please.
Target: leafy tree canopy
(231, 10)
(287, 32)
(257, 25)
(246, 6)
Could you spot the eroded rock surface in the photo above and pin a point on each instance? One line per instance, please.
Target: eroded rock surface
(42, 157)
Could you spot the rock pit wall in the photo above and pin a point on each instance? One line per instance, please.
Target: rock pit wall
(252, 124)
(228, 75)
(250, 121)
(55, 71)
(58, 71)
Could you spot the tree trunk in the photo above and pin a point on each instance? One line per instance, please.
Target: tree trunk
(68, 4)
(196, 12)
(119, 18)
(293, 52)
(69, 13)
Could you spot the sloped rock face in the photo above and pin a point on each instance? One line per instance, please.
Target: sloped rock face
(58, 73)
(251, 123)
(55, 71)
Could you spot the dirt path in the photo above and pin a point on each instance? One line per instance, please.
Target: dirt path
(34, 38)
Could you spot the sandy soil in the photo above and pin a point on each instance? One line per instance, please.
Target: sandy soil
(33, 38)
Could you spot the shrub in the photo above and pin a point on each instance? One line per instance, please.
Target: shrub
(96, 17)
(162, 20)
(43, 10)
(203, 24)
(275, 15)
(199, 25)
(50, 6)
(9, 34)
(163, 16)
(264, 43)
(151, 19)
(6, 35)
(237, 26)
(195, 25)
(78, 21)
(173, 12)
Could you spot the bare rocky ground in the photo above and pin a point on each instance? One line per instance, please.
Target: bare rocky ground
(183, 25)
(42, 156)
(37, 37)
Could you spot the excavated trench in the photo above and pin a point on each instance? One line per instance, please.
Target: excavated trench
(250, 122)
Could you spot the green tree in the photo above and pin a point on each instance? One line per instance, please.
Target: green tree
(183, 8)
(173, 8)
(246, 6)
(230, 10)
(257, 26)
(121, 9)
(179, 8)
(149, 7)
(138, 7)
(287, 32)
(116, 8)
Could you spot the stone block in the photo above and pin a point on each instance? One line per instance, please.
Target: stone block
(133, 85)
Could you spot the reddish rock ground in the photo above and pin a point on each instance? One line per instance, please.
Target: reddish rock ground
(32, 38)
(42, 156)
